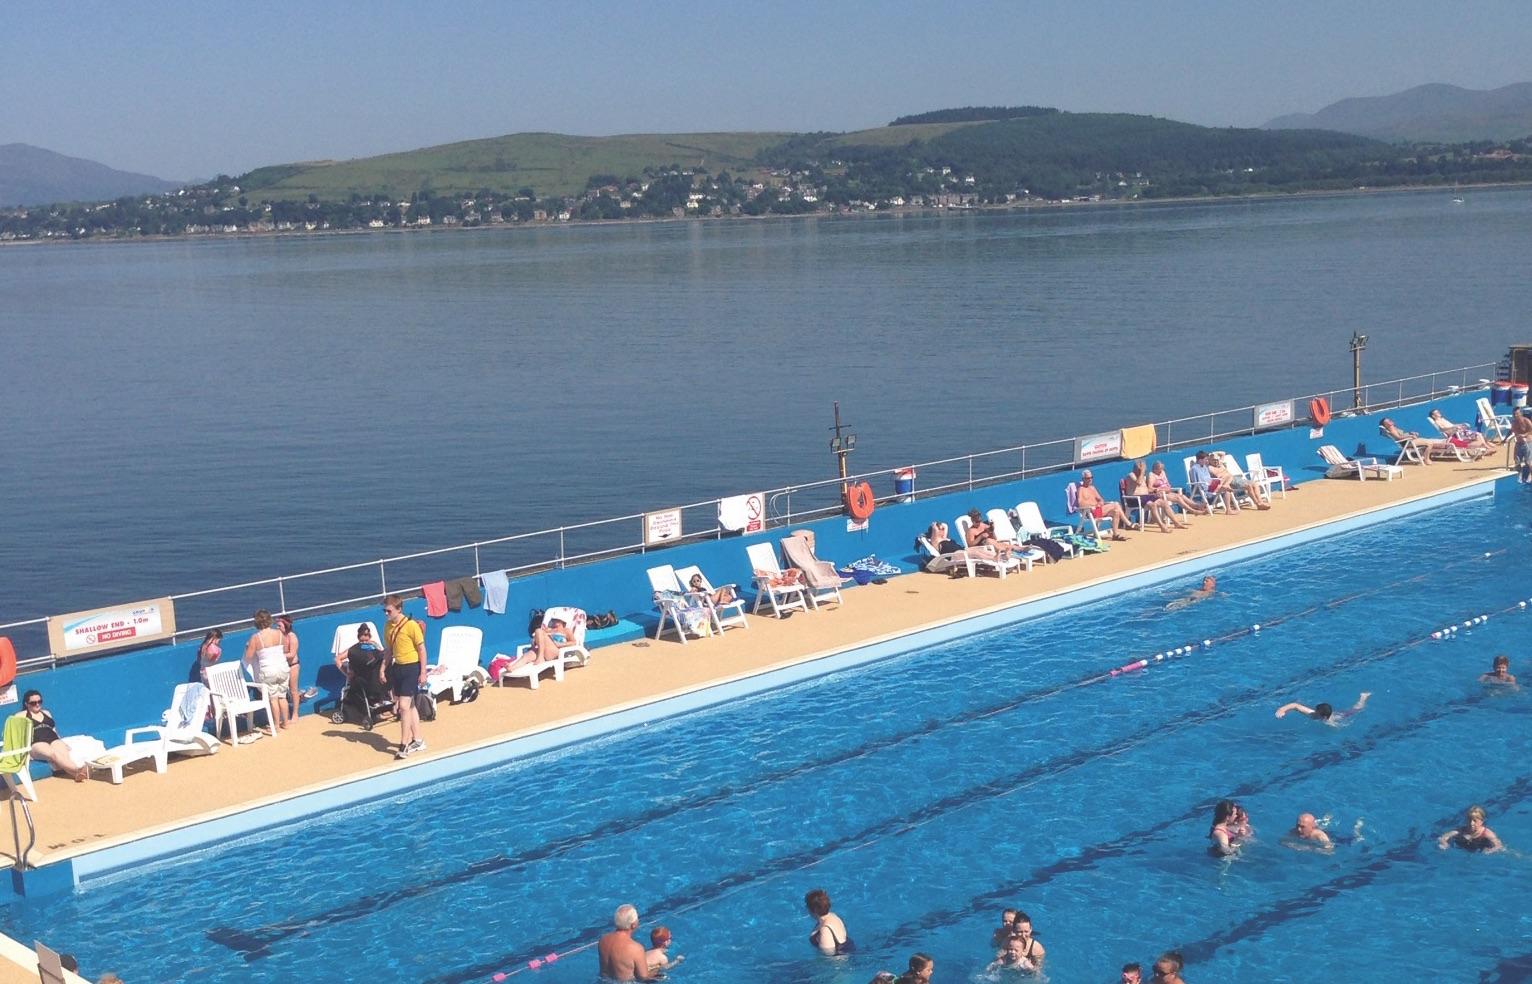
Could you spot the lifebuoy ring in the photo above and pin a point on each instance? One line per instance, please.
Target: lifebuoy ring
(7, 662)
(860, 502)
(1319, 409)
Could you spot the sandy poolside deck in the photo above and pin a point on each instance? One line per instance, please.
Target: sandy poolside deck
(77, 818)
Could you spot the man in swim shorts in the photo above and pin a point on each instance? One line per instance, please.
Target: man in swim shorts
(622, 957)
(1324, 713)
(406, 643)
(1521, 436)
(1090, 501)
(1306, 835)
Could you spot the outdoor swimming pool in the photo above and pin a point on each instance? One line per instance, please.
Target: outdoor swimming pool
(928, 792)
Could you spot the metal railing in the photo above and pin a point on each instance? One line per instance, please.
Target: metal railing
(355, 584)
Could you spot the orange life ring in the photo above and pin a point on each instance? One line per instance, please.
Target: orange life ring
(1319, 409)
(860, 502)
(7, 662)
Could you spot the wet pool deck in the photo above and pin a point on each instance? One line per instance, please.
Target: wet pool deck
(74, 819)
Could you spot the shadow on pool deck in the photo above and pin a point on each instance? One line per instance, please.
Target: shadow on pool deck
(315, 754)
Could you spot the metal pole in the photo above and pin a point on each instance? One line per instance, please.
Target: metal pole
(383, 578)
(476, 571)
(561, 546)
(281, 596)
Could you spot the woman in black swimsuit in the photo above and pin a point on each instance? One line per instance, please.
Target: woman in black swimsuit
(1473, 835)
(829, 936)
(46, 744)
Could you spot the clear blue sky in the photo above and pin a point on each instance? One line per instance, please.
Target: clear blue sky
(189, 89)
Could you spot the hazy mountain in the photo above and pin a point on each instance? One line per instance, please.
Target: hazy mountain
(34, 176)
(1433, 113)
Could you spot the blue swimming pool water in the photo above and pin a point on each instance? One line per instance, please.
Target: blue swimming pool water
(928, 792)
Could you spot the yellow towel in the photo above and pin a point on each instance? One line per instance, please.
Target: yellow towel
(1139, 442)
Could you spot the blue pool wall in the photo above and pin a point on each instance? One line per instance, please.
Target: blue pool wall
(106, 695)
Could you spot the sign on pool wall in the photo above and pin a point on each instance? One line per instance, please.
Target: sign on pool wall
(100, 629)
(1098, 447)
(1278, 414)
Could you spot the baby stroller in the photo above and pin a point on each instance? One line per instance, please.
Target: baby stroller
(364, 697)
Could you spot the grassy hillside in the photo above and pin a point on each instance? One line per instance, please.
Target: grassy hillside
(550, 163)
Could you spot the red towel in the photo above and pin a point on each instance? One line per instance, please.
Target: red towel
(436, 598)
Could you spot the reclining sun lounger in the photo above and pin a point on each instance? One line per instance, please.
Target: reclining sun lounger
(820, 577)
(182, 723)
(686, 612)
(457, 671)
(1030, 519)
(1498, 422)
(772, 584)
(1358, 468)
(573, 653)
(726, 615)
(963, 560)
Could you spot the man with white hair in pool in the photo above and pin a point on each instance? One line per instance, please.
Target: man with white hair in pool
(622, 957)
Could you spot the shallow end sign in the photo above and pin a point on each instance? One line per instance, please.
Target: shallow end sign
(1268, 415)
(662, 526)
(1098, 447)
(99, 629)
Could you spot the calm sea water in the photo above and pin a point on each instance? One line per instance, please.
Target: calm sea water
(182, 415)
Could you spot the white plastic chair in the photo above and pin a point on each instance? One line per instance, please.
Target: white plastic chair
(16, 756)
(1271, 477)
(457, 662)
(180, 726)
(233, 696)
(1198, 491)
(1017, 559)
(1498, 422)
(1343, 467)
(821, 581)
(724, 616)
(782, 597)
(1030, 518)
(1084, 517)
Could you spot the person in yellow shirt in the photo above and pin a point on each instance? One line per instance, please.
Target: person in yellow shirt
(406, 644)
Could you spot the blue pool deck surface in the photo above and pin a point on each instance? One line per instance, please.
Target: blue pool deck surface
(307, 772)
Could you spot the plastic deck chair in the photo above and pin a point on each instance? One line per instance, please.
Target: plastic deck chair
(724, 616)
(16, 756)
(1498, 422)
(1030, 518)
(234, 696)
(457, 663)
(684, 611)
(771, 585)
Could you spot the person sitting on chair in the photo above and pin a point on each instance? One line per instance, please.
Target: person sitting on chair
(1237, 484)
(47, 746)
(1461, 435)
(1091, 503)
(723, 596)
(981, 534)
(1410, 439)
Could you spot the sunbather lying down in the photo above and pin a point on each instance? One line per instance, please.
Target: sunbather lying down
(939, 536)
(1411, 439)
(546, 642)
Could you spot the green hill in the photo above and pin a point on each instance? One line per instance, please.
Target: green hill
(549, 163)
(1434, 113)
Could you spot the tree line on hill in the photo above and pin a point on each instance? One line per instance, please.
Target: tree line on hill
(1040, 155)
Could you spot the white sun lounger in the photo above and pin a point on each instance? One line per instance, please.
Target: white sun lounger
(821, 580)
(769, 589)
(457, 663)
(181, 724)
(969, 563)
(1358, 468)
(724, 616)
(572, 653)
(684, 611)
(1498, 422)
(1030, 518)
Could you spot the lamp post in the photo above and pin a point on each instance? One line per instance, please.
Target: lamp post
(1358, 342)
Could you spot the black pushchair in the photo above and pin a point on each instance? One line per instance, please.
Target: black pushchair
(364, 697)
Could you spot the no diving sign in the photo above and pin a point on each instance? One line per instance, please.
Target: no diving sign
(743, 513)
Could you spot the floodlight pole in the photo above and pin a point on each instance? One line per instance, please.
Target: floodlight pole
(1358, 343)
(842, 445)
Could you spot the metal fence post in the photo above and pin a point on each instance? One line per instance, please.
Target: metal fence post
(281, 596)
(1023, 461)
(561, 546)
(383, 578)
(476, 570)
(970, 473)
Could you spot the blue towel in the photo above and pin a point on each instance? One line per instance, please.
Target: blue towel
(496, 587)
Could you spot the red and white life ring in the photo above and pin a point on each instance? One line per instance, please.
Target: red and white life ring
(860, 501)
(1319, 409)
(7, 662)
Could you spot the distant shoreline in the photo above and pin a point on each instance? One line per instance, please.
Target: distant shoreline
(860, 214)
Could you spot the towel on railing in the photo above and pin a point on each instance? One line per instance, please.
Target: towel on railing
(496, 587)
(436, 598)
(1139, 442)
(460, 588)
(1072, 498)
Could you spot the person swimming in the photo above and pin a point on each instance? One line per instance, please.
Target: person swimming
(1324, 713)
(1473, 836)
(1500, 676)
(1005, 930)
(1209, 589)
(830, 935)
(1225, 830)
(1307, 835)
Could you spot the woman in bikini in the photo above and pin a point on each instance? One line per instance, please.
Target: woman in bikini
(829, 935)
(47, 746)
(723, 596)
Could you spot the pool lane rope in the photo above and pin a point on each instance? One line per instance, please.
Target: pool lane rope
(537, 963)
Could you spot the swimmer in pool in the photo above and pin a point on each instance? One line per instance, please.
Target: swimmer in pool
(658, 954)
(1473, 836)
(1225, 830)
(1306, 835)
(1208, 589)
(830, 935)
(1167, 969)
(1239, 824)
(1324, 713)
(621, 956)
(1500, 676)
(1006, 929)
(1011, 957)
(1029, 952)
(1132, 973)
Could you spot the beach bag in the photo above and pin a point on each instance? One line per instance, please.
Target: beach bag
(425, 706)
